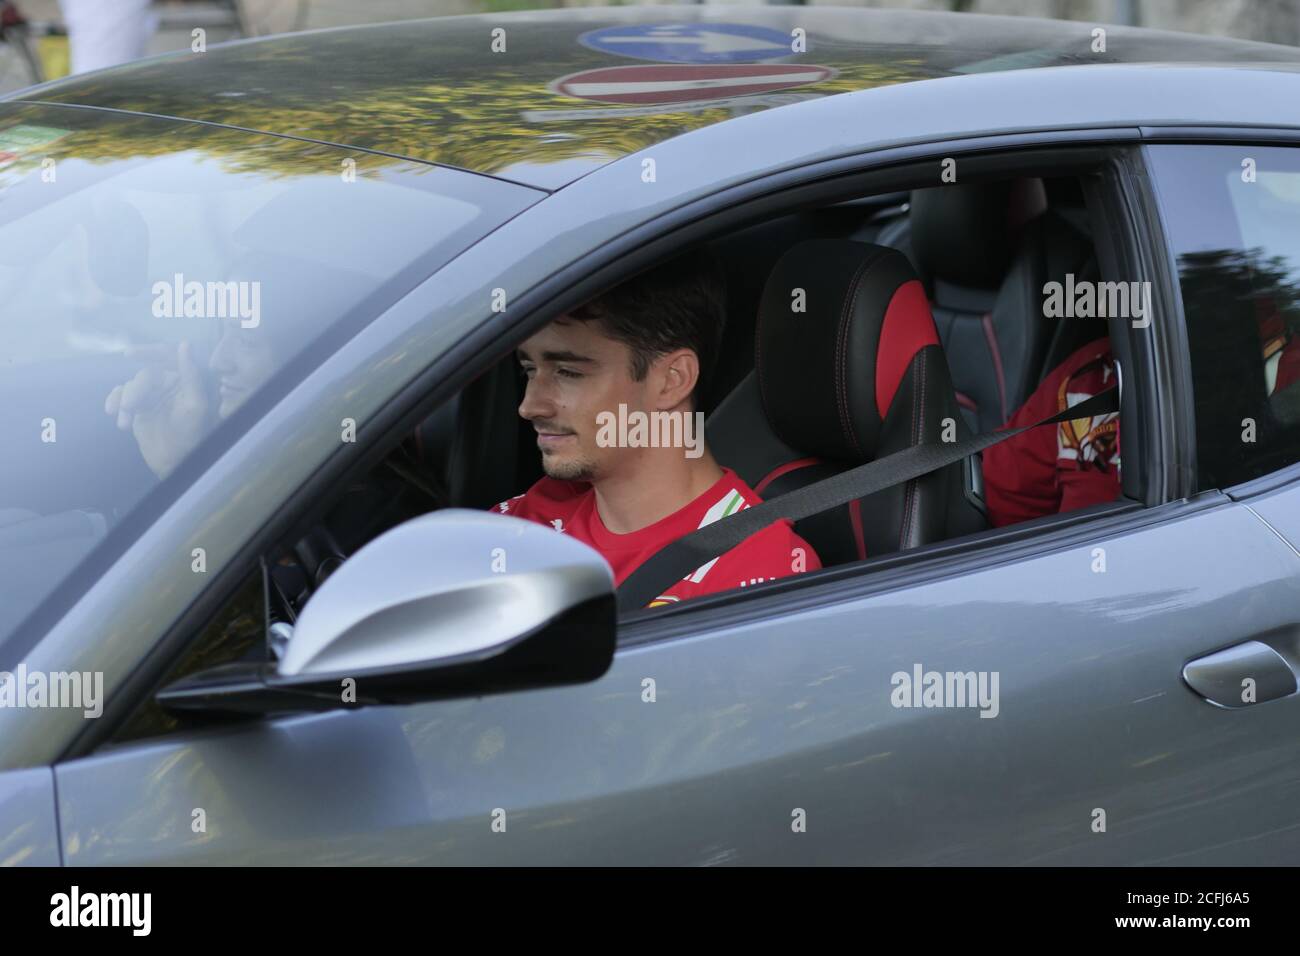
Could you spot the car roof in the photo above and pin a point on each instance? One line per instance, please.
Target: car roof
(516, 96)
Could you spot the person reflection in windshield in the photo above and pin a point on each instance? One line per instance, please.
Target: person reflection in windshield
(169, 406)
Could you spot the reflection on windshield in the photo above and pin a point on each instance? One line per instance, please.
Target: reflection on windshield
(166, 405)
(152, 294)
(431, 89)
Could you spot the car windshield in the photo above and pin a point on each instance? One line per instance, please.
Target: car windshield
(162, 283)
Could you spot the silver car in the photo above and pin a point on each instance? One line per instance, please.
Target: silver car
(271, 620)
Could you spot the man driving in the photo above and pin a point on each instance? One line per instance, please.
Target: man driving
(607, 383)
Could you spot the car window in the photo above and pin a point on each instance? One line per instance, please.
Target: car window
(163, 284)
(1232, 215)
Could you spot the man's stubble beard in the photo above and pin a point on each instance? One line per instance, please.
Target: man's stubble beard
(574, 469)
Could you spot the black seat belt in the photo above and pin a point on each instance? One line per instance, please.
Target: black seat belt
(678, 559)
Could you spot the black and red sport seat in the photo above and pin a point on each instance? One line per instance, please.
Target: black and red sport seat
(856, 376)
(984, 251)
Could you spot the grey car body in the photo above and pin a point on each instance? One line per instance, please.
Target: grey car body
(767, 710)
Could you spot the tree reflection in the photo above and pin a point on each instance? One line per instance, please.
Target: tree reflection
(450, 100)
(1243, 309)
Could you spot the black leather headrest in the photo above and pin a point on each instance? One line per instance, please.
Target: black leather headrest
(828, 375)
(966, 233)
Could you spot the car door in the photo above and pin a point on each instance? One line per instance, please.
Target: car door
(765, 733)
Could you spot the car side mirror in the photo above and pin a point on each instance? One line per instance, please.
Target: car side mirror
(456, 603)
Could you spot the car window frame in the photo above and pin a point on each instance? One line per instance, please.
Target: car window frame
(1114, 151)
(877, 171)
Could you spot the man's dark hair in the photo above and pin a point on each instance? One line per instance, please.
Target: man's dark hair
(679, 304)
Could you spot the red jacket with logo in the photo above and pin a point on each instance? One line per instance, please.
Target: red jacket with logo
(1063, 467)
(1076, 464)
(775, 552)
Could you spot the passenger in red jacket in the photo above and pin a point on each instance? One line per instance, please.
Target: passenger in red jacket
(1062, 467)
(1076, 463)
(611, 393)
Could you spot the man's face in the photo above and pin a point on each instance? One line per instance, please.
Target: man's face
(575, 372)
(242, 362)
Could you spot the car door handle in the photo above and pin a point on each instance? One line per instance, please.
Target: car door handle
(1222, 677)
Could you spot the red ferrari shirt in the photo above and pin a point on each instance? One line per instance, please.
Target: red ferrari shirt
(1075, 464)
(775, 552)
